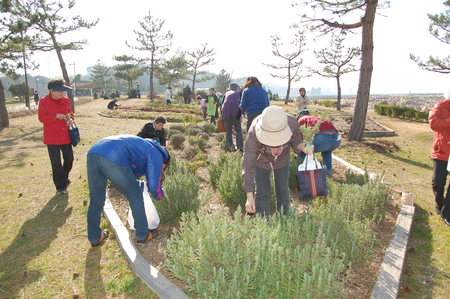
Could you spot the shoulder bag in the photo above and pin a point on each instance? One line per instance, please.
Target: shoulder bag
(74, 134)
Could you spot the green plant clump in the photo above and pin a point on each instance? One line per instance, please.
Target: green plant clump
(230, 181)
(280, 256)
(178, 127)
(255, 258)
(181, 195)
(177, 140)
(209, 128)
(198, 141)
(216, 168)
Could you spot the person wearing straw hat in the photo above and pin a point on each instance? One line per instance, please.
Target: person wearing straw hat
(267, 149)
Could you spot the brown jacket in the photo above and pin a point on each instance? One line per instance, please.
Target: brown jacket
(258, 154)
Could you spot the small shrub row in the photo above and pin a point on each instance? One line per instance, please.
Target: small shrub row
(328, 103)
(402, 112)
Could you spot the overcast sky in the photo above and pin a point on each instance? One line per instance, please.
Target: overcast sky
(240, 31)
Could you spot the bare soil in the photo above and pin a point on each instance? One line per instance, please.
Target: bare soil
(362, 277)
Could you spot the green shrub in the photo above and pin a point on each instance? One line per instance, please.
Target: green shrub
(190, 151)
(181, 195)
(200, 160)
(215, 169)
(173, 132)
(367, 201)
(221, 136)
(198, 141)
(177, 140)
(178, 127)
(280, 256)
(209, 128)
(193, 130)
(205, 136)
(401, 112)
(190, 118)
(230, 181)
(219, 257)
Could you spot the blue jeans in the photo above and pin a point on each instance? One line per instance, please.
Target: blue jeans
(325, 144)
(229, 122)
(263, 191)
(99, 170)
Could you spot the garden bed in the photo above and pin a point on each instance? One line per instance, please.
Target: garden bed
(361, 278)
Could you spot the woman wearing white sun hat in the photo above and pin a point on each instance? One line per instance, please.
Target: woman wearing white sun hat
(267, 149)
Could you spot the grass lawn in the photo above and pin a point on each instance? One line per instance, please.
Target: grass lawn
(45, 252)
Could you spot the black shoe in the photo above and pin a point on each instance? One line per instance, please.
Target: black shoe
(103, 236)
(152, 233)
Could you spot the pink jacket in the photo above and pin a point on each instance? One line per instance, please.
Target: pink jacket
(439, 119)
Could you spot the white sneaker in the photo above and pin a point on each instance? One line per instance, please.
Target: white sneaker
(62, 191)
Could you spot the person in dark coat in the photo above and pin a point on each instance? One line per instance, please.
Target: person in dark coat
(113, 104)
(187, 94)
(155, 130)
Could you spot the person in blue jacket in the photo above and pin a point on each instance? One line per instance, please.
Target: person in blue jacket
(254, 99)
(122, 159)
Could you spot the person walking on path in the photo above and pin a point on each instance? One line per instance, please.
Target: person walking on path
(231, 116)
(36, 97)
(254, 99)
(439, 120)
(122, 159)
(187, 94)
(267, 148)
(168, 95)
(325, 141)
(56, 114)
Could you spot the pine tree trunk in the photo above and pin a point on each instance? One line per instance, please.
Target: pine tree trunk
(64, 73)
(339, 93)
(4, 118)
(365, 76)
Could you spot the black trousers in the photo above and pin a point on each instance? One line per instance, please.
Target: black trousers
(60, 170)
(438, 183)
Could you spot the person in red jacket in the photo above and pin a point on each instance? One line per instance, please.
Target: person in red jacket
(439, 120)
(326, 141)
(56, 114)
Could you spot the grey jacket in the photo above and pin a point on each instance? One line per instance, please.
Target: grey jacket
(258, 154)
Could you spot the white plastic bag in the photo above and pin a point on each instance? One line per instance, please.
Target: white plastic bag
(309, 163)
(150, 211)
